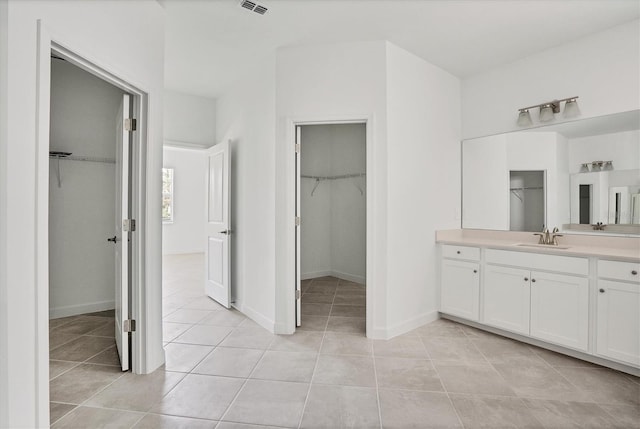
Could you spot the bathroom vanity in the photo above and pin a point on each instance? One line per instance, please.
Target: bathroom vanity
(581, 298)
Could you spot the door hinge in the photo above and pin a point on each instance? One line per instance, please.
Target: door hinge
(129, 225)
(297, 294)
(297, 147)
(297, 220)
(129, 325)
(130, 124)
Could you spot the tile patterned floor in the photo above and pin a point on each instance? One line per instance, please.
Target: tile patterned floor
(224, 371)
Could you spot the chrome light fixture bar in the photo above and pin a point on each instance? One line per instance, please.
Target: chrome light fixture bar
(548, 110)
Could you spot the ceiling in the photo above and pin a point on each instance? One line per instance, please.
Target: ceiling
(212, 43)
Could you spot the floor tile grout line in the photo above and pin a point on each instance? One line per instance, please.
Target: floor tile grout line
(246, 380)
(375, 374)
(313, 374)
(444, 387)
(102, 390)
(63, 372)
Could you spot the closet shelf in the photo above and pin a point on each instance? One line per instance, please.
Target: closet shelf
(319, 179)
(83, 158)
(526, 188)
(58, 155)
(341, 176)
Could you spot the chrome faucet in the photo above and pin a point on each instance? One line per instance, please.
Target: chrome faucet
(549, 238)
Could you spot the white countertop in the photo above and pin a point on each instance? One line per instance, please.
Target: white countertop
(619, 248)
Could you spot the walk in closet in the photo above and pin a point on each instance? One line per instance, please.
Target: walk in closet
(333, 226)
(81, 191)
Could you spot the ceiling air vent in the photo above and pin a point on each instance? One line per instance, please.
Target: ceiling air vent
(260, 9)
(257, 8)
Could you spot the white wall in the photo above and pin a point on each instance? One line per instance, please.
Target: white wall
(246, 117)
(327, 83)
(602, 69)
(333, 219)
(186, 233)
(98, 31)
(423, 161)
(189, 119)
(82, 210)
(622, 148)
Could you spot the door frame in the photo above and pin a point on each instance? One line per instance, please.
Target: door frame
(48, 44)
(286, 296)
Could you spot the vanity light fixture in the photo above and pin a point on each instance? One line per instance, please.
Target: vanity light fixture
(548, 111)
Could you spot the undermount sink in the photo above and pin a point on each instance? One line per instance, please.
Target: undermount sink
(544, 246)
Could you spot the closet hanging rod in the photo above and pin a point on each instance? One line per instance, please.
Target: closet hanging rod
(82, 158)
(341, 176)
(526, 188)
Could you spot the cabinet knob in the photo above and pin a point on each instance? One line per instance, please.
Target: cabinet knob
(526, 279)
(601, 290)
(475, 271)
(533, 280)
(458, 252)
(634, 272)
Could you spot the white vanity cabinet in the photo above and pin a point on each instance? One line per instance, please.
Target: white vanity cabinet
(460, 281)
(544, 305)
(560, 309)
(618, 311)
(507, 298)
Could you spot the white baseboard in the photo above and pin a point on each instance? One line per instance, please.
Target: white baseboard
(73, 310)
(315, 274)
(257, 317)
(404, 327)
(349, 277)
(338, 274)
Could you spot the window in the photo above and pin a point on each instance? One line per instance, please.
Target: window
(167, 195)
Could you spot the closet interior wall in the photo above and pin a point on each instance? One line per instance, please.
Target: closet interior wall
(333, 240)
(81, 204)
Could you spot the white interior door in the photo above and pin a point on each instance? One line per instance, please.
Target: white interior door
(298, 232)
(217, 225)
(121, 238)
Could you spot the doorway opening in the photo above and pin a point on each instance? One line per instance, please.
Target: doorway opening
(331, 233)
(90, 229)
(527, 202)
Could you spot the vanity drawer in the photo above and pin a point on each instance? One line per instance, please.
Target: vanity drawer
(539, 261)
(619, 270)
(461, 252)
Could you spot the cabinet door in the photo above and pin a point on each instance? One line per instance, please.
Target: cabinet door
(460, 289)
(560, 309)
(507, 298)
(618, 324)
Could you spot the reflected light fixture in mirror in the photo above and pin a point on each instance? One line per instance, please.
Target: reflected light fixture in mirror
(548, 111)
(524, 118)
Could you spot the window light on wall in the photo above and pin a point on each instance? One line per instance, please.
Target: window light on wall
(167, 195)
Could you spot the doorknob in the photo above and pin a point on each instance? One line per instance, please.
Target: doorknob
(113, 239)
(225, 232)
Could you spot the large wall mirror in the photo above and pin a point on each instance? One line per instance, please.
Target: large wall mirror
(581, 176)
